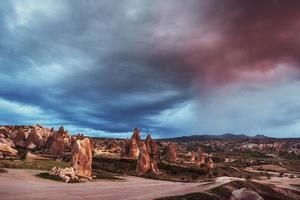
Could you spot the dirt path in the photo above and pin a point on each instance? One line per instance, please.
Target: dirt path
(23, 184)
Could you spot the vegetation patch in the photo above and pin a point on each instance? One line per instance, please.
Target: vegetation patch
(33, 164)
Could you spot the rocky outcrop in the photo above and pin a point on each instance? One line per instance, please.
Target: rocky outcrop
(60, 140)
(245, 194)
(210, 163)
(134, 144)
(131, 148)
(19, 137)
(7, 141)
(81, 158)
(67, 174)
(200, 157)
(154, 168)
(143, 162)
(152, 148)
(37, 137)
(170, 153)
(6, 150)
(125, 148)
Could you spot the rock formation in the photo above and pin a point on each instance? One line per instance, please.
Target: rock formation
(81, 158)
(67, 174)
(6, 150)
(37, 137)
(245, 194)
(154, 168)
(131, 147)
(210, 163)
(19, 137)
(170, 153)
(7, 141)
(152, 148)
(59, 141)
(143, 162)
(200, 157)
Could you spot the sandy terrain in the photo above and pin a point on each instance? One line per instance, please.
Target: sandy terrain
(22, 184)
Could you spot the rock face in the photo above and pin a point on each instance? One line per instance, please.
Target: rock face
(67, 174)
(38, 137)
(245, 194)
(6, 150)
(134, 144)
(143, 162)
(125, 148)
(19, 137)
(152, 148)
(81, 158)
(7, 141)
(170, 153)
(154, 168)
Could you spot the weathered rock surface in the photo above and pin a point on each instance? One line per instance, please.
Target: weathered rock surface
(152, 148)
(134, 144)
(154, 168)
(38, 137)
(81, 158)
(59, 141)
(7, 141)
(245, 194)
(143, 162)
(125, 148)
(170, 153)
(67, 174)
(6, 150)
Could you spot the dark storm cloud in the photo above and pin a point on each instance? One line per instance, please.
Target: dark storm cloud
(115, 65)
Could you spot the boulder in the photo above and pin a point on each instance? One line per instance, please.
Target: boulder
(143, 161)
(81, 158)
(152, 148)
(67, 174)
(245, 194)
(170, 153)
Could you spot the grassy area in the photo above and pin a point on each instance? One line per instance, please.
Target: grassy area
(33, 164)
(100, 174)
(46, 175)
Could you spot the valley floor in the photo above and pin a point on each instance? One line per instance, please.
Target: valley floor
(24, 184)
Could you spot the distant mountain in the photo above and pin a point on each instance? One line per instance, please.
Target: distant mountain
(227, 136)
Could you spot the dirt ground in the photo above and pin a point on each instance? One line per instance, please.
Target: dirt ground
(23, 184)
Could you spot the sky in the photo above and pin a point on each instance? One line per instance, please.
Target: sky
(168, 67)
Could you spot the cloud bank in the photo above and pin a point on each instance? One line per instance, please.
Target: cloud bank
(169, 67)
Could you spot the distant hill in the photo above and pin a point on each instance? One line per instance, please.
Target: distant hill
(227, 136)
